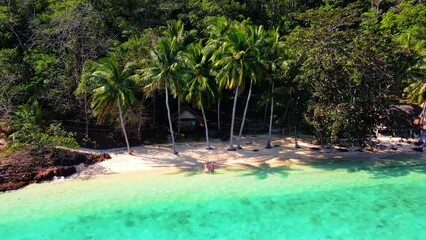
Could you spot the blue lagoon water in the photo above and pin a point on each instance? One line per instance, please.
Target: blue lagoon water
(338, 199)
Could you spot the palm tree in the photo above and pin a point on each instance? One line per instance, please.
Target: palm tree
(201, 88)
(176, 30)
(416, 91)
(163, 73)
(216, 29)
(268, 144)
(257, 37)
(116, 88)
(234, 62)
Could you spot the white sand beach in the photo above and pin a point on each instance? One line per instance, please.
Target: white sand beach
(192, 155)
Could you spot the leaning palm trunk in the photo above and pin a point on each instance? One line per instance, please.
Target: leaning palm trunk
(244, 116)
(296, 135)
(206, 127)
(170, 120)
(122, 126)
(231, 142)
(268, 145)
(422, 122)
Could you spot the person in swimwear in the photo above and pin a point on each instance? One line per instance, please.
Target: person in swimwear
(206, 167)
(211, 167)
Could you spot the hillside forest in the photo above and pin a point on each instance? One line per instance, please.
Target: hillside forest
(107, 73)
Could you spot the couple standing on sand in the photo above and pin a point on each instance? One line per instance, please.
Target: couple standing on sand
(209, 167)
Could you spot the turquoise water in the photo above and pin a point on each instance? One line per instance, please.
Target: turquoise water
(340, 199)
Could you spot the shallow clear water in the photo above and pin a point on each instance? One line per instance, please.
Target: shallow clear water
(343, 199)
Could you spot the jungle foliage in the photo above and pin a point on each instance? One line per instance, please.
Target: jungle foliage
(330, 67)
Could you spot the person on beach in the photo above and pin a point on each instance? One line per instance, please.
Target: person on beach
(211, 167)
(206, 167)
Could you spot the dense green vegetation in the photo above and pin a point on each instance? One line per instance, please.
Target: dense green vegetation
(330, 67)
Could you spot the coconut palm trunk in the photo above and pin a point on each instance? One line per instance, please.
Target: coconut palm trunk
(422, 122)
(123, 127)
(170, 120)
(244, 116)
(296, 136)
(231, 137)
(268, 145)
(207, 129)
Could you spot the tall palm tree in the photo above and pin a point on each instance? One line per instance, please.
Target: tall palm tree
(234, 63)
(163, 74)
(216, 29)
(176, 30)
(268, 144)
(256, 40)
(201, 87)
(116, 89)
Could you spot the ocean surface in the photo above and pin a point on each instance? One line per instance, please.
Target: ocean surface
(333, 199)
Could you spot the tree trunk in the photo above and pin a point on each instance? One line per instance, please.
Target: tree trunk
(123, 127)
(178, 130)
(170, 121)
(86, 113)
(268, 145)
(244, 116)
(231, 142)
(206, 127)
(422, 121)
(296, 144)
(218, 115)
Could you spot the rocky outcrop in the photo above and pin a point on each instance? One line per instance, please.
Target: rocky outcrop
(24, 167)
(59, 171)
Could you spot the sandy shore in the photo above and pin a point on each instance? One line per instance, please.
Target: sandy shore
(192, 155)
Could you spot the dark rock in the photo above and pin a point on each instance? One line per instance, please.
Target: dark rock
(255, 150)
(49, 173)
(9, 186)
(65, 171)
(45, 174)
(26, 166)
